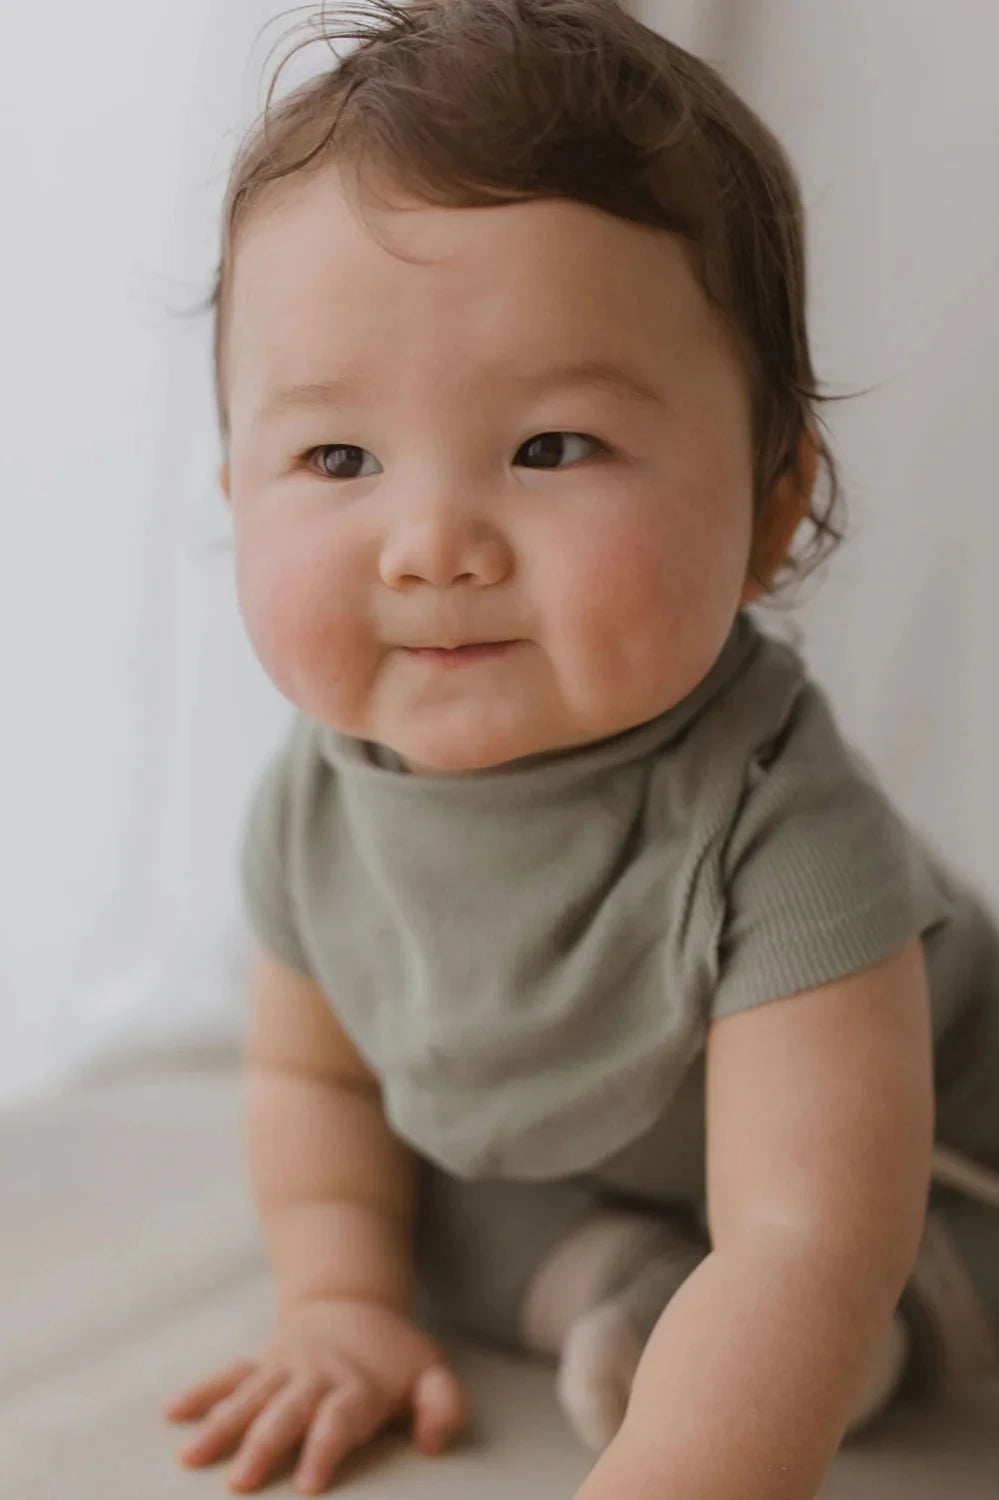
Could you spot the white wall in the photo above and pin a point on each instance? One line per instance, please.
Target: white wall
(133, 712)
(890, 111)
(687, 22)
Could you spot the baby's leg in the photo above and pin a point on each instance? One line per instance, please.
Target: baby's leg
(557, 1269)
(945, 1333)
(951, 1301)
(595, 1300)
(478, 1245)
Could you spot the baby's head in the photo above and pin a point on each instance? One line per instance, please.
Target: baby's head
(514, 354)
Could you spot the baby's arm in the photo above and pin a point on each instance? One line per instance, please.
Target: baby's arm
(333, 1185)
(335, 1190)
(820, 1132)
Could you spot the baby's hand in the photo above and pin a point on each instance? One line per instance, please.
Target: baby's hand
(334, 1373)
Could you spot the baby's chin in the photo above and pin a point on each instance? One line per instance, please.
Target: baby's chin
(453, 757)
(472, 749)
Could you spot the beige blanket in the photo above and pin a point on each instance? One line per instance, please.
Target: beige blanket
(131, 1264)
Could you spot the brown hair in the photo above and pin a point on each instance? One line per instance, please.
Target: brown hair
(470, 103)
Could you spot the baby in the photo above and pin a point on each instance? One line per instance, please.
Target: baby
(604, 1005)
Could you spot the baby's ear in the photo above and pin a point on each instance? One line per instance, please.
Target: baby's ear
(224, 480)
(782, 514)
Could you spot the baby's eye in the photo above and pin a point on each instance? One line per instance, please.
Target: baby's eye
(546, 448)
(335, 449)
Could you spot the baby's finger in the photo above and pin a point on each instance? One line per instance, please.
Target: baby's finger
(227, 1421)
(440, 1408)
(346, 1418)
(277, 1429)
(200, 1398)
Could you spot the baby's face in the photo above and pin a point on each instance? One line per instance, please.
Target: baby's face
(462, 486)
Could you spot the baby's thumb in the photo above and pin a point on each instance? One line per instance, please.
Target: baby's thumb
(440, 1408)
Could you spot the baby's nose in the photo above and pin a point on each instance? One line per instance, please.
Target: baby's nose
(444, 550)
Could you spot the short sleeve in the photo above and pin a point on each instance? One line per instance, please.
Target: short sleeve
(822, 875)
(263, 864)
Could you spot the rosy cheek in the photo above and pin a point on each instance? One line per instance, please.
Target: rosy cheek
(307, 617)
(275, 598)
(620, 580)
(261, 605)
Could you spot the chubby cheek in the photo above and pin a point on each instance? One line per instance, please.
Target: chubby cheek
(636, 619)
(307, 628)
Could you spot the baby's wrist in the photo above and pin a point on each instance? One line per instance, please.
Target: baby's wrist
(338, 1249)
(292, 1296)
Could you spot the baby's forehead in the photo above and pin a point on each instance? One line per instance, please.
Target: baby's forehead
(319, 284)
(314, 235)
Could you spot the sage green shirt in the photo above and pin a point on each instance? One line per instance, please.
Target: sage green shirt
(528, 957)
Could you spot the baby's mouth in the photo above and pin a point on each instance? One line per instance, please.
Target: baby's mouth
(456, 655)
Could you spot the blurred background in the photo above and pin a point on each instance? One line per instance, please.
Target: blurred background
(135, 718)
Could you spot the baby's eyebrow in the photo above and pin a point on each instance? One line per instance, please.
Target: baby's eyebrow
(341, 391)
